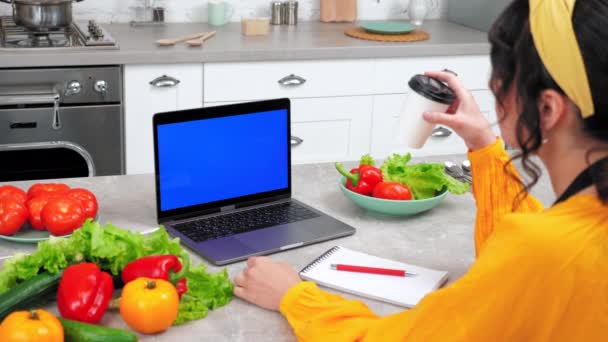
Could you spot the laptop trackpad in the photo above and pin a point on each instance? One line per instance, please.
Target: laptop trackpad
(258, 242)
(273, 238)
(224, 249)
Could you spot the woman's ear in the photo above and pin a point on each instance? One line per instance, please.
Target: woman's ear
(553, 107)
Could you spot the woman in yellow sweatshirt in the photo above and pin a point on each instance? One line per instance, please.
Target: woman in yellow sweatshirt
(540, 274)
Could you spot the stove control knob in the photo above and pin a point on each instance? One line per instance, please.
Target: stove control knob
(73, 88)
(101, 87)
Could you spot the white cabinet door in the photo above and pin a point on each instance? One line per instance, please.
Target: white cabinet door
(151, 89)
(328, 129)
(387, 109)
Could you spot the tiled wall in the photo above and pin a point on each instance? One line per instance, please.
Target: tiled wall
(196, 10)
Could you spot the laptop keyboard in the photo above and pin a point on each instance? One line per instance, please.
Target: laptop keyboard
(244, 221)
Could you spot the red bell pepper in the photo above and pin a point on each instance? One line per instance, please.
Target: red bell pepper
(363, 179)
(84, 293)
(166, 267)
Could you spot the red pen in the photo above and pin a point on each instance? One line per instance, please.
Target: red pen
(372, 270)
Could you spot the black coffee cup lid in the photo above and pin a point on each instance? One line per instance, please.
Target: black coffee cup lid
(432, 88)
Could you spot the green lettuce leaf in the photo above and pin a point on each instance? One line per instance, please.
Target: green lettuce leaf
(206, 291)
(191, 308)
(424, 180)
(112, 248)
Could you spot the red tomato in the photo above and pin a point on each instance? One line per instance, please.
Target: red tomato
(88, 200)
(40, 188)
(13, 215)
(14, 192)
(35, 206)
(62, 215)
(392, 191)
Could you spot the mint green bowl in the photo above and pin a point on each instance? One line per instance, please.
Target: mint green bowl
(390, 207)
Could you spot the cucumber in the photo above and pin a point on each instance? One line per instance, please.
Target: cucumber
(29, 293)
(83, 332)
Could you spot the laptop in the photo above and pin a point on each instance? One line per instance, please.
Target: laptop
(223, 182)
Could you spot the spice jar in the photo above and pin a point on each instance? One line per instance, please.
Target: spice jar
(290, 12)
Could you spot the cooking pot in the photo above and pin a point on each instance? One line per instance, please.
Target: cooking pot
(42, 15)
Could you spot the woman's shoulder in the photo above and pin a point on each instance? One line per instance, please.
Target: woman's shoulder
(578, 211)
(557, 231)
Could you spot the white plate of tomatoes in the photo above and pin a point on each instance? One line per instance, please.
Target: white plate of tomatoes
(46, 209)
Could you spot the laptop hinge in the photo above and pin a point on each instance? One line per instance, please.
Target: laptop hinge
(227, 208)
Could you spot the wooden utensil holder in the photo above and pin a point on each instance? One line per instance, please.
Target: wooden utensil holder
(338, 10)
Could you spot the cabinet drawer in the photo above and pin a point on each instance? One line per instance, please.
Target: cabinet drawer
(265, 80)
(392, 75)
(387, 109)
(177, 87)
(329, 129)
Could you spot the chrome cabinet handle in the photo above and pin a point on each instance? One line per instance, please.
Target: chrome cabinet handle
(164, 81)
(441, 132)
(292, 81)
(296, 141)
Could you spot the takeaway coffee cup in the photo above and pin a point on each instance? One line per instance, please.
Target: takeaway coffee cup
(426, 94)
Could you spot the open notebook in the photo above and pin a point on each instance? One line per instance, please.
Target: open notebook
(402, 291)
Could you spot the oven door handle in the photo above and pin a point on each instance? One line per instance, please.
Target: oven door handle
(51, 145)
(25, 99)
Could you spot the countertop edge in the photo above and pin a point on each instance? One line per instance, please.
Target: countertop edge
(310, 41)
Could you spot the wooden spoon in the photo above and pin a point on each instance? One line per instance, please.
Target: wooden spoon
(173, 41)
(200, 40)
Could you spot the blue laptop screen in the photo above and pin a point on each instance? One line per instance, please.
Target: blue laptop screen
(210, 160)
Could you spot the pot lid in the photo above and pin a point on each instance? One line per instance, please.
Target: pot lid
(41, 2)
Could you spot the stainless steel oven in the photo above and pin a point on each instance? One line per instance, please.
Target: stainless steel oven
(61, 122)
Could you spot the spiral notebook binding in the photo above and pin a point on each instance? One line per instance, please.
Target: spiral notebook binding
(318, 260)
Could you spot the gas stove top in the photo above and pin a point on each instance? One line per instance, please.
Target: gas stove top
(78, 36)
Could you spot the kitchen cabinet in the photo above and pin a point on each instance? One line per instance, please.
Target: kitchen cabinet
(151, 89)
(341, 109)
(387, 109)
(328, 129)
(331, 119)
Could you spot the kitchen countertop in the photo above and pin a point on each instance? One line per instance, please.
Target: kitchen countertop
(307, 40)
(441, 238)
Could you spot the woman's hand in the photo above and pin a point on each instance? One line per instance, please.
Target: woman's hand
(465, 118)
(264, 282)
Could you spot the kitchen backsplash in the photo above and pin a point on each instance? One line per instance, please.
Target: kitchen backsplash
(196, 10)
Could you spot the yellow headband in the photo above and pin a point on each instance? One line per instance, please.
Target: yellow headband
(555, 41)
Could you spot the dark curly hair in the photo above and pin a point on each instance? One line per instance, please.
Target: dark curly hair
(515, 61)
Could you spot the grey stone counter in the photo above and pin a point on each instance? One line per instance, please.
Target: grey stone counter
(307, 40)
(441, 238)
